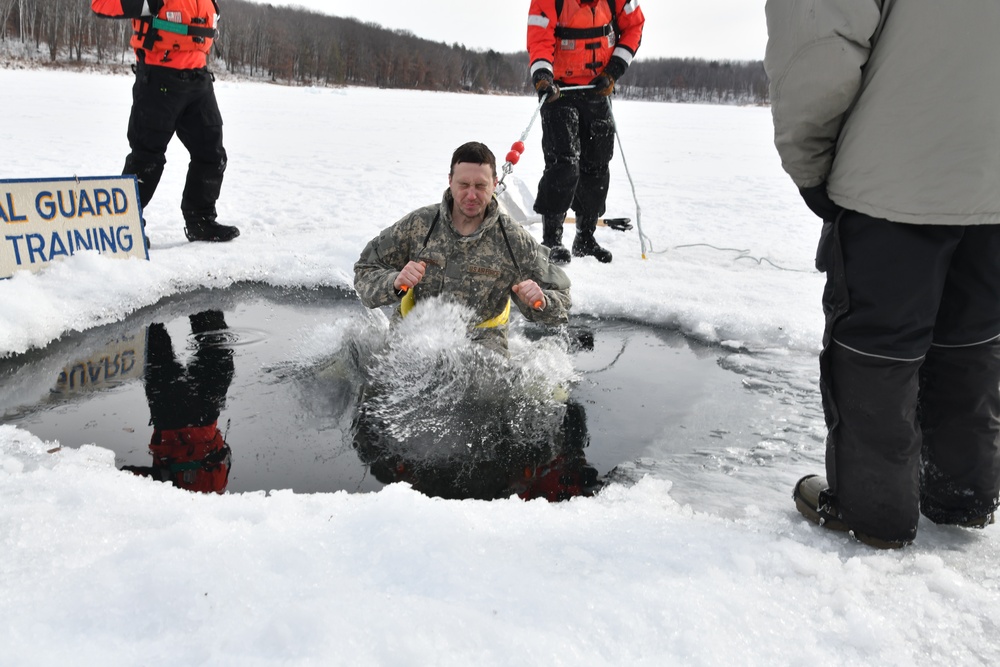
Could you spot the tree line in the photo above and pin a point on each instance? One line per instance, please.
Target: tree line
(297, 46)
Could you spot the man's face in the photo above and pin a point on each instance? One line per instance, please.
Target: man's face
(472, 186)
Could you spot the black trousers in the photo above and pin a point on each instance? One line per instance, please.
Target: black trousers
(193, 395)
(578, 142)
(910, 372)
(165, 102)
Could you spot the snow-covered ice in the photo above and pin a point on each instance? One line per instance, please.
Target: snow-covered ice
(703, 561)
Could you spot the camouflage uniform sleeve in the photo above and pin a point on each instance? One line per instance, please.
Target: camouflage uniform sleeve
(381, 261)
(555, 285)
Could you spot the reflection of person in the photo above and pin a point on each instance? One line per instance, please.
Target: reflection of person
(568, 474)
(863, 95)
(465, 248)
(572, 43)
(173, 92)
(184, 405)
(554, 469)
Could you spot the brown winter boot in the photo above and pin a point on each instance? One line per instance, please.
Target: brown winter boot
(814, 501)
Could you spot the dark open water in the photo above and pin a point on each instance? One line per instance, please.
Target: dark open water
(291, 414)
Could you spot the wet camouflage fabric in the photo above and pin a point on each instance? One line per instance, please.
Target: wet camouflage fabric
(477, 271)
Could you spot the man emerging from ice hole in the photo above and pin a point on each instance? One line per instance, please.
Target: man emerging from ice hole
(468, 250)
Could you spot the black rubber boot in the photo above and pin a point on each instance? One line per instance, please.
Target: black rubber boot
(205, 228)
(584, 244)
(552, 231)
(208, 322)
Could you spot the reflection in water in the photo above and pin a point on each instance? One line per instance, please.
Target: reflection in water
(116, 365)
(302, 355)
(455, 420)
(451, 465)
(187, 446)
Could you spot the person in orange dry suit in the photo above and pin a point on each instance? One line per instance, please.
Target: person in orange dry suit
(174, 93)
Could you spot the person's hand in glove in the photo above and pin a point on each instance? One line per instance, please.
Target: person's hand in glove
(819, 202)
(545, 86)
(604, 84)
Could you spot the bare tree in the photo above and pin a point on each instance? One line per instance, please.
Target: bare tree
(6, 8)
(296, 46)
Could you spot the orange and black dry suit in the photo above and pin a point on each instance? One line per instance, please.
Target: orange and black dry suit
(573, 42)
(576, 40)
(173, 93)
(184, 405)
(194, 458)
(178, 35)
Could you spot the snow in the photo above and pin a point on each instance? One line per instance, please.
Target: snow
(701, 562)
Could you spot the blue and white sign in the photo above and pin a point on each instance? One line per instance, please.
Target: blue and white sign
(44, 220)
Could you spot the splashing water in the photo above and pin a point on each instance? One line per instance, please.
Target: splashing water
(433, 393)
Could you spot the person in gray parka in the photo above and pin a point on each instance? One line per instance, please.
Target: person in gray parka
(887, 117)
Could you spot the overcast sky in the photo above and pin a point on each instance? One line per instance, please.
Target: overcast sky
(711, 29)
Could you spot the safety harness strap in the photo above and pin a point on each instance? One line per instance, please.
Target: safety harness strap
(410, 300)
(584, 33)
(150, 27)
(184, 29)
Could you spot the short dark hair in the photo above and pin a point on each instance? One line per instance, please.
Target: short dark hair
(476, 153)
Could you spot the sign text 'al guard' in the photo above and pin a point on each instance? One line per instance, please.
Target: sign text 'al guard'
(44, 220)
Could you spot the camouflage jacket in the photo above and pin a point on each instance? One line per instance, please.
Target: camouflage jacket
(477, 270)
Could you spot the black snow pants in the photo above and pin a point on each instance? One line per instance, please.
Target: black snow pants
(578, 142)
(194, 395)
(166, 101)
(910, 372)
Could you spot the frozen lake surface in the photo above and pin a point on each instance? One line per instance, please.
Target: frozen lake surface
(700, 393)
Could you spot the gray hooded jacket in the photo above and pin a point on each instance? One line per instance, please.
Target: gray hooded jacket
(894, 103)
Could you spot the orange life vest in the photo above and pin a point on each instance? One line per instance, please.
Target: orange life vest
(585, 40)
(197, 457)
(179, 36)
